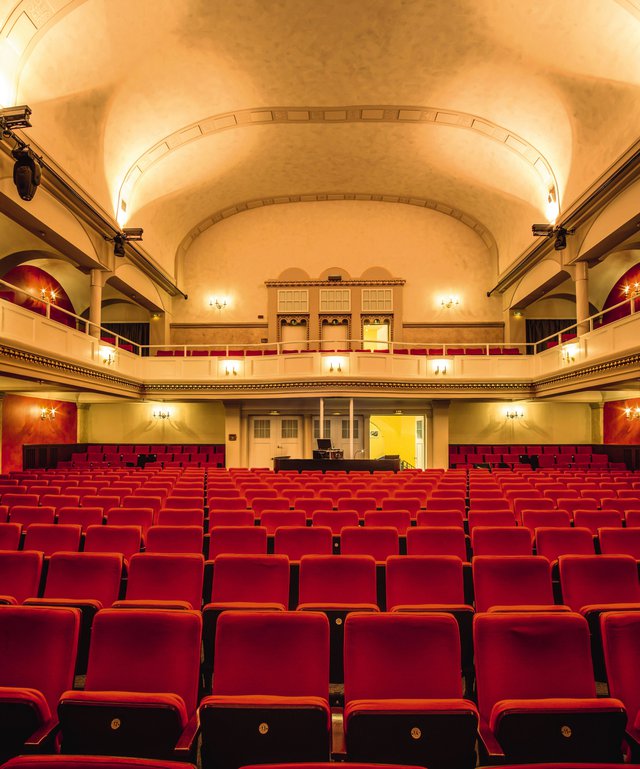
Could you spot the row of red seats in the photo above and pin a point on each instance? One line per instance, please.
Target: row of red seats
(536, 692)
(248, 352)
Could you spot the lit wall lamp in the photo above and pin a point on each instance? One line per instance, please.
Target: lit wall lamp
(231, 368)
(218, 302)
(48, 295)
(335, 365)
(632, 412)
(569, 353)
(47, 412)
(447, 302)
(440, 367)
(108, 355)
(161, 412)
(631, 290)
(552, 208)
(514, 412)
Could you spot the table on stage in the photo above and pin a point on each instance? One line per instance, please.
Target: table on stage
(368, 465)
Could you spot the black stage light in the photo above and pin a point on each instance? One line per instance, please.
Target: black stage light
(561, 239)
(118, 245)
(27, 173)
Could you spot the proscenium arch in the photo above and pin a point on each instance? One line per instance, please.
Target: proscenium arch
(330, 116)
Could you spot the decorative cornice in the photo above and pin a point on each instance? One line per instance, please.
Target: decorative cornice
(64, 367)
(590, 370)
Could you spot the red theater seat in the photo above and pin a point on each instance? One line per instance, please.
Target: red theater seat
(270, 690)
(508, 581)
(51, 538)
(437, 540)
(500, 540)
(175, 539)
(143, 672)
(20, 574)
(241, 540)
(379, 542)
(411, 710)
(164, 580)
(125, 540)
(536, 691)
(297, 541)
(36, 665)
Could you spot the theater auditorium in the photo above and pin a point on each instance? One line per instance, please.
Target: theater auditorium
(319, 383)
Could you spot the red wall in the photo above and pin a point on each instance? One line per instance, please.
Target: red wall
(617, 428)
(21, 424)
(617, 295)
(32, 279)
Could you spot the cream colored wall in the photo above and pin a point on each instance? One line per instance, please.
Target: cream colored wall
(546, 422)
(436, 254)
(133, 423)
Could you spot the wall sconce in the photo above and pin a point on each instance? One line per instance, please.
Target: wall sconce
(514, 412)
(632, 412)
(552, 209)
(569, 353)
(161, 412)
(231, 368)
(108, 355)
(47, 412)
(631, 290)
(440, 367)
(48, 295)
(335, 365)
(218, 302)
(447, 302)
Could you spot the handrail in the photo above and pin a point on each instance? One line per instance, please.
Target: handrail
(105, 336)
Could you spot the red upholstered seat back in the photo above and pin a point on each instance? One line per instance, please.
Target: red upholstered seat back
(511, 580)
(272, 653)
(251, 578)
(337, 579)
(598, 579)
(166, 577)
(84, 575)
(424, 579)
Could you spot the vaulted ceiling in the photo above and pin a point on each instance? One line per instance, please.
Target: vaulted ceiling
(174, 115)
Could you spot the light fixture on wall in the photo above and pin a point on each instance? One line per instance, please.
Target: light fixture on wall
(231, 368)
(440, 367)
(108, 355)
(549, 231)
(447, 302)
(514, 412)
(335, 365)
(47, 412)
(632, 412)
(161, 412)
(219, 302)
(631, 290)
(569, 353)
(552, 209)
(48, 295)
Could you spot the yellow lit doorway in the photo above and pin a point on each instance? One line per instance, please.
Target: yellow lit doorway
(392, 434)
(375, 336)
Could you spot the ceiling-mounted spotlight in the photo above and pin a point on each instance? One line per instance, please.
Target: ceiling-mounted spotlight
(127, 234)
(14, 117)
(27, 172)
(549, 231)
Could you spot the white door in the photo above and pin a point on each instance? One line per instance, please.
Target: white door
(274, 436)
(420, 443)
(337, 428)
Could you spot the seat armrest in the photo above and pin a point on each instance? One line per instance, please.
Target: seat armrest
(489, 745)
(43, 739)
(185, 749)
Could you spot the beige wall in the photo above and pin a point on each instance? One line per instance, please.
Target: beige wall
(133, 423)
(436, 255)
(542, 423)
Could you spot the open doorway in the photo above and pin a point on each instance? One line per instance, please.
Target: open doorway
(396, 434)
(375, 336)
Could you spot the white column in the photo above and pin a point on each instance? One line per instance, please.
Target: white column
(350, 428)
(95, 306)
(321, 433)
(582, 297)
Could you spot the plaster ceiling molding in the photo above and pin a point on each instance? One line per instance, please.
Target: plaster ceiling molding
(21, 25)
(321, 115)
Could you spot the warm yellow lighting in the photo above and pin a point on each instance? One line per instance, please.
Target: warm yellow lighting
(161, 412)
(632, 412)
(47, 412)
(48, 295)
(631, 289)
(552, 208)
(569, 353)
(219, 302)
(514, 412)
(335, 365)
(447, 302)
(440, 367)
(108, 355)
(231, 368)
